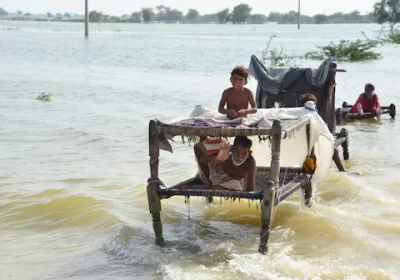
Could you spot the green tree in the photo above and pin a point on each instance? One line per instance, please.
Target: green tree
(290, 17)
(209, 18)
(114, 19)
(192, 15)
(387, 11)
(161, 14)
(174, 15)
(147, 14)
(49, 15)
(136, 16)
(336, 18)
(67, 15)
(223, 16)
(274, 17)
(354, 16)
(320, 18)
(94, 16)
(258, 18)
(240, 13)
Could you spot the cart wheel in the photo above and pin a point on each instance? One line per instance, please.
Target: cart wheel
(392, 109)
(338, 115)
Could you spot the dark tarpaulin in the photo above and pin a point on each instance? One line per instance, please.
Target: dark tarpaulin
(275, 80)
(286, 85)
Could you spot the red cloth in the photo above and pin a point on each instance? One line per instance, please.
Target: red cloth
(368, 105)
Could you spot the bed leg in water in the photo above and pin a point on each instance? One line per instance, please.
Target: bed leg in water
(268, 201)
(267, 207)
(307, 192)
(345, 145)
(155, 210)
(154, 183)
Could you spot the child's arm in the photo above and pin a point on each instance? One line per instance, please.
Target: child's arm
(253, 109)
(253, 105)
(376, 103)
(223, 153)
(221, 107)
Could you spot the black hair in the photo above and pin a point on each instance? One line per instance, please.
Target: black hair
(243, 141)
(307, 97)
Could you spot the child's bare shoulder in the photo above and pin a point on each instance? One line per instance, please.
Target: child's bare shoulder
(252, 160)
(228, 90)
(248, 91)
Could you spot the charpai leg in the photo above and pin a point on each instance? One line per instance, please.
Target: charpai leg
(155, 210)
(267, 207)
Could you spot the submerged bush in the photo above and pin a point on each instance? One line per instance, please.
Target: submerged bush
(275, 57)
(392, 37)
(347, 51)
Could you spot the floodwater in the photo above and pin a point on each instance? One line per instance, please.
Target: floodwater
(73, 171)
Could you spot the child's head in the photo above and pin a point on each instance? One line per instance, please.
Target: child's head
(239, 76)
(307, 97)
(369, 89)
(241, 150)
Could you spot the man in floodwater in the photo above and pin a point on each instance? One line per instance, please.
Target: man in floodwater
(230, 166)
(368, 102)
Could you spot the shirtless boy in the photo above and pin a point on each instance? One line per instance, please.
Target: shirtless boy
(237, 98)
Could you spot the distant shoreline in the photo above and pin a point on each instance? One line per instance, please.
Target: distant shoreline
(194, 23)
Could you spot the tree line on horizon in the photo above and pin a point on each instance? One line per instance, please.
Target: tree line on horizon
(238, 15)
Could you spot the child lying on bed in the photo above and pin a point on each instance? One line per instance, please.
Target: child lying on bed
(228, 168)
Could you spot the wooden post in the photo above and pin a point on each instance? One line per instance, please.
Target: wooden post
(268, 202)
(298, 16)
(154, 183)
(155, 210)
(154, 150)
(345, 144)
(267, 208)
(86, 18)
(307, 192)
(308, 132)
(276, 136)
(329, 116)
(337, 161)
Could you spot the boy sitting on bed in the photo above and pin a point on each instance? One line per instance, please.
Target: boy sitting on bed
(228, 168)
(237, 98)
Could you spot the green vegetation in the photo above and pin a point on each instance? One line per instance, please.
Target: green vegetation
(275, 57)
(347, 51)
(46, 97)
(388, 11)
(393, 37)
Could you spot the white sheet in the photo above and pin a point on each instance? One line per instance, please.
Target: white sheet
(294, 149)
